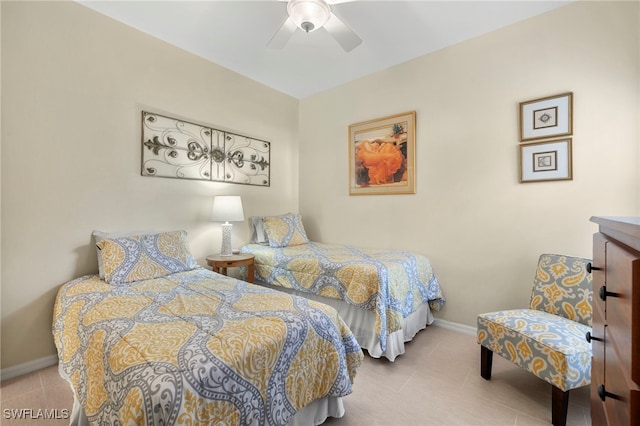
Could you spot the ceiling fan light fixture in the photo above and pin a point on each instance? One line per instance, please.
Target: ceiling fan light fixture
(309, 14)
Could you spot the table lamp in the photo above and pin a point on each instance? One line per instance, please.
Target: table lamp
(227, 208)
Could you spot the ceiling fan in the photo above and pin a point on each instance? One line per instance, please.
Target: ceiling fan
(309, 15)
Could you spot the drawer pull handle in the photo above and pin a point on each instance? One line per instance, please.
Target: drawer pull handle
(590, 268)
(589, 337)
(602, 393)
(604, 293)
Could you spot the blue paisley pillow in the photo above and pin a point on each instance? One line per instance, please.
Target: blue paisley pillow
(146, 256)
(102, 235)
(285, 230)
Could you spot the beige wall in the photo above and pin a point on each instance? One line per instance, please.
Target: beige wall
(482, 230)
(74, 83)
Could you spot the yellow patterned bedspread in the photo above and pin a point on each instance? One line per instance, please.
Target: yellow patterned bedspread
(393, 283)
(196, 348)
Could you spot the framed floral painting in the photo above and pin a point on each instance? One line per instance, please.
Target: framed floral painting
(382, 155)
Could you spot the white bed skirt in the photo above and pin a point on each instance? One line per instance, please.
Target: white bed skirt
(362, 324)
(314, 413)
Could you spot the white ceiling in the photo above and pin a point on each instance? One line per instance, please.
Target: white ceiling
(234, 34)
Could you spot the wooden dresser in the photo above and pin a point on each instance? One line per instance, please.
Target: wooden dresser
(615, 339)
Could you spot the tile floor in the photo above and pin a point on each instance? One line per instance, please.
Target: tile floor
(43, 389)
(436, 382)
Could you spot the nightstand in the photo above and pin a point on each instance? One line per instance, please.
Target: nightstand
(220, 264)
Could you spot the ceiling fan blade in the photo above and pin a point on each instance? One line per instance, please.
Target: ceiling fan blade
(343, 34)
(282, 36)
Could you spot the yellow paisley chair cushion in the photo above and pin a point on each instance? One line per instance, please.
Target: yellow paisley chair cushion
(549, 338)
(551, 347)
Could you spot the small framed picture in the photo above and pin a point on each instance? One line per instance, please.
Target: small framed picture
(548, 160)
(546, 117)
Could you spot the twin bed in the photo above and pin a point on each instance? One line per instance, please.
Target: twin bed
(384, 296)
(156, 339)
(160, 340)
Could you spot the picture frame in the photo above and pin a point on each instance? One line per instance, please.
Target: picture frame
(546, 118)
(546, 161)
(382, 155)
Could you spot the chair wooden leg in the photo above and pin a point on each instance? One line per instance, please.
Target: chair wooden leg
(559, 406)
(486, 362)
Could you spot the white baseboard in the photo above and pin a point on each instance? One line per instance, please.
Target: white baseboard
(28, 367)
(466, 329)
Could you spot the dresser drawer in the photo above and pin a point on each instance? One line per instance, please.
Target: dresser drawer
(618, 404)
(597, 406)
(615, 367)
(622, 275)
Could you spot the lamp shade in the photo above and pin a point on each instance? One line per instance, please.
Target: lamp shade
(227, 208)
(309, 14)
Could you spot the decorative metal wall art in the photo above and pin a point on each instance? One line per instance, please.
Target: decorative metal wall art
(179, 149)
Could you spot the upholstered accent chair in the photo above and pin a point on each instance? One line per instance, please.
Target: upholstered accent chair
(550, 339)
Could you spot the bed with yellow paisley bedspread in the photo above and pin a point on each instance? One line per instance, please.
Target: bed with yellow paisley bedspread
(196, 347)
(385, 296)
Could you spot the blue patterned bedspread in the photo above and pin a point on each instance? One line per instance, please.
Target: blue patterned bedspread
(198, 348)
(393, 283)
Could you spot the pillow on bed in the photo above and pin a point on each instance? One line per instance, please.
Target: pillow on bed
(101, 235)
(145, 256)
(285, 230)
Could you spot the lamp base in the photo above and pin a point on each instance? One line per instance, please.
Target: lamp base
(226, 240)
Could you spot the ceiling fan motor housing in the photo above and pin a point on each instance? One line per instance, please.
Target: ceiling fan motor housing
(309, 14)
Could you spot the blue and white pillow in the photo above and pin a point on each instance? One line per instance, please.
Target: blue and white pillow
(285, 230)
(145, 256)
